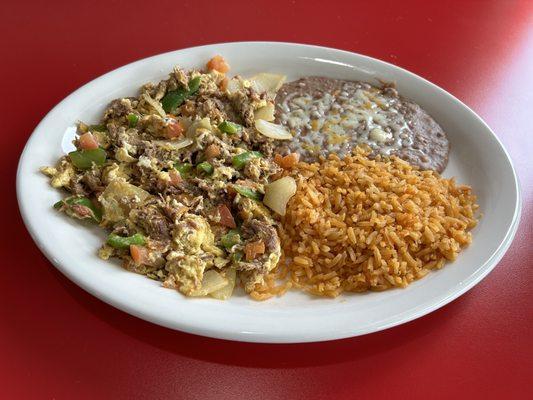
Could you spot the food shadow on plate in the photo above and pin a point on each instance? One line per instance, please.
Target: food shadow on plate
(258, 355)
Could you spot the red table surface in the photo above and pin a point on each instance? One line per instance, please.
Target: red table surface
(58, 342)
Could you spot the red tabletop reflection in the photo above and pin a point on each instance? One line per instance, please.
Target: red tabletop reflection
(58, 342)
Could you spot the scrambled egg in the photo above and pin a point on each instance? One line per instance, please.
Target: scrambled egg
(62, 175)
(195, 251)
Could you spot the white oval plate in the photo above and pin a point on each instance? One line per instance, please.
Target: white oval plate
(477, 158)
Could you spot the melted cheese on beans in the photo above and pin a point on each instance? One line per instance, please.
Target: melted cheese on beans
(357, 114)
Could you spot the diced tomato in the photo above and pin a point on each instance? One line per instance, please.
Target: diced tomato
(253, 249)
(87, 141)
(139, 254)
(226, 218)
(218, 63)
(175, 177)
(175, 129)
(291, 160)
(287, 162)
(224, 84)
(212, 151)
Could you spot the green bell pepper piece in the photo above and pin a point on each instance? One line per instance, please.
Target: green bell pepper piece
(185, 169)
(230, 239)
(124, 242)
(175, 98)
(84, 159)
(236, 257)
(194, 85)
(205, 167)
(229, 127)
(133, 119)
(240, 160)
(247, 192)
(98, 128)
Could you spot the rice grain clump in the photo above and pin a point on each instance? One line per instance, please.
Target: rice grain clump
(359, 224)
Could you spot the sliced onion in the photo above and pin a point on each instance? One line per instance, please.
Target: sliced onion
(203, 123)
(115, 209)
(211, 282)
(234, 85)
(273, 131)
(155, 104)
(278, 194)
(226, 292)
(173, 144)
(265, 82)
(266, 112)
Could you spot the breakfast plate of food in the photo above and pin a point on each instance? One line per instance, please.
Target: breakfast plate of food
(268, 192)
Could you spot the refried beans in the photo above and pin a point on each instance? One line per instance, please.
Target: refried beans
(328, 115)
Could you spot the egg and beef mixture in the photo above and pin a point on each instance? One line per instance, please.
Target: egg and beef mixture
(178, 175)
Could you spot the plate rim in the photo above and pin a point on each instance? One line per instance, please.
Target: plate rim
(472, 280)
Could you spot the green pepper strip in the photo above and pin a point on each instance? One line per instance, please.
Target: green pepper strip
(79, 201)
(230, 239)
(84, 159)
(121, 242)
(240, 160)
(229, 127)
(175, 98)
(194, 85)
(205, 167)
(98, 128)
(247, 192)
(133, 119)
(236, 257)
(184, 169)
